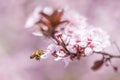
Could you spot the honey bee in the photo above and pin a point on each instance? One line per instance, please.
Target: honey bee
(36, 54)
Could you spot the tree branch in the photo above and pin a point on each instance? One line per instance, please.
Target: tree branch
(107, 54)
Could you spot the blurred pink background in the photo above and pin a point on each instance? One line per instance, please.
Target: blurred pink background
(17, 43)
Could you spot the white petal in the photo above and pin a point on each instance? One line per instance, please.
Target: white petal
(46, 55)
(72, 41)
(60, 53)
(48, 10)
(30, 22)
(37, 33)
(82, 44)
(58, 58)
(64, 37)
(51, 47)
(88, 51)
(33, 18)
(71, 48)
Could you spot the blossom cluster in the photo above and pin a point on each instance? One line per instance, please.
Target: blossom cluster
(74, 37)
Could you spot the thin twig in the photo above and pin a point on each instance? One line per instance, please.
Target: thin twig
(107, 54)
(63, 45)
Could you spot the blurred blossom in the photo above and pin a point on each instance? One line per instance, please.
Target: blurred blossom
(75, 18)
(33, 18)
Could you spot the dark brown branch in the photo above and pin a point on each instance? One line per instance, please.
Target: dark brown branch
(107, 54)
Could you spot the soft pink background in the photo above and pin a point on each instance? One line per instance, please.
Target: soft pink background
(17, 43)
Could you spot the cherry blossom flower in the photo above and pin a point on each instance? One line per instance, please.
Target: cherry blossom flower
(99, 39)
